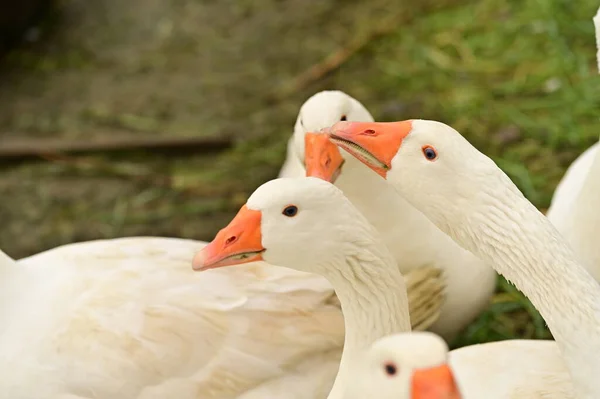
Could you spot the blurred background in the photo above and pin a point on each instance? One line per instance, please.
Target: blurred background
(154, 117)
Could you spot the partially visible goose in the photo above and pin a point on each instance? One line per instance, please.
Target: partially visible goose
(126, 318)
(307, 224)
(413, 240)
(574, 209)
(469, 198)
(404, 366)
(321, 110)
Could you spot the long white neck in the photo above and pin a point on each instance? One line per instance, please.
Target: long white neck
(374, 302)
(585, 220)
(503, 228)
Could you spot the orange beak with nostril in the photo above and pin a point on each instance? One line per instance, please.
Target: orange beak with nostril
(239, 242)
(322, 158)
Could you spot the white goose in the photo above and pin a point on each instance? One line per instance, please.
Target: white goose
(413, 240)
(308, 225)
(405, 366)
(574, 207)
(126, 318)
(469, 198)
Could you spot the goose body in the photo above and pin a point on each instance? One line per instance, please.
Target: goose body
(525, 369)
(412, 239)
(469, 198)
(126, 318)
(573, 208)
(569, 188)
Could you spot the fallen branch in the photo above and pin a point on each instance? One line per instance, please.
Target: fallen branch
(35, 147)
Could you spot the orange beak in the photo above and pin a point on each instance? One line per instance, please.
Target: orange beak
(322, 158)
(239, 242)
(373, 143)
(434, 383)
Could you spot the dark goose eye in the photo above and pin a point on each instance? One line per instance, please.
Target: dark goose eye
(391, 369)
(343, 118)
(429, 152)
(290, 211)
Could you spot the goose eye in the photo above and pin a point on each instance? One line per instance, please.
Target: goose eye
(391, 369)
(343, 118)
(290, 211)
(429, 152)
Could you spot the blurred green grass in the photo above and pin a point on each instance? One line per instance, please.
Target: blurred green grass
(518, 78)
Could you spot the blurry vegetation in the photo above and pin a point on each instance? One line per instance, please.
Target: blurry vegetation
(518, 78)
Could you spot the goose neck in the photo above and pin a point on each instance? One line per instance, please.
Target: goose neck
(507, 231)
(374, 302)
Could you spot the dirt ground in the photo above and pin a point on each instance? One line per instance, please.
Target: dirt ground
(517, 78)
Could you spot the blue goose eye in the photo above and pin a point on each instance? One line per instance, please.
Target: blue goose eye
(429, 152)
(290, 211)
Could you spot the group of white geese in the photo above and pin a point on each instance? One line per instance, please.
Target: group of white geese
(397, 226)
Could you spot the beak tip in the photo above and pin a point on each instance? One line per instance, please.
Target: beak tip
(198, 263)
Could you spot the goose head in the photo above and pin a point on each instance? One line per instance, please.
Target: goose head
(306, 224)
(409, 365)
(320, 157)
(429, 163)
